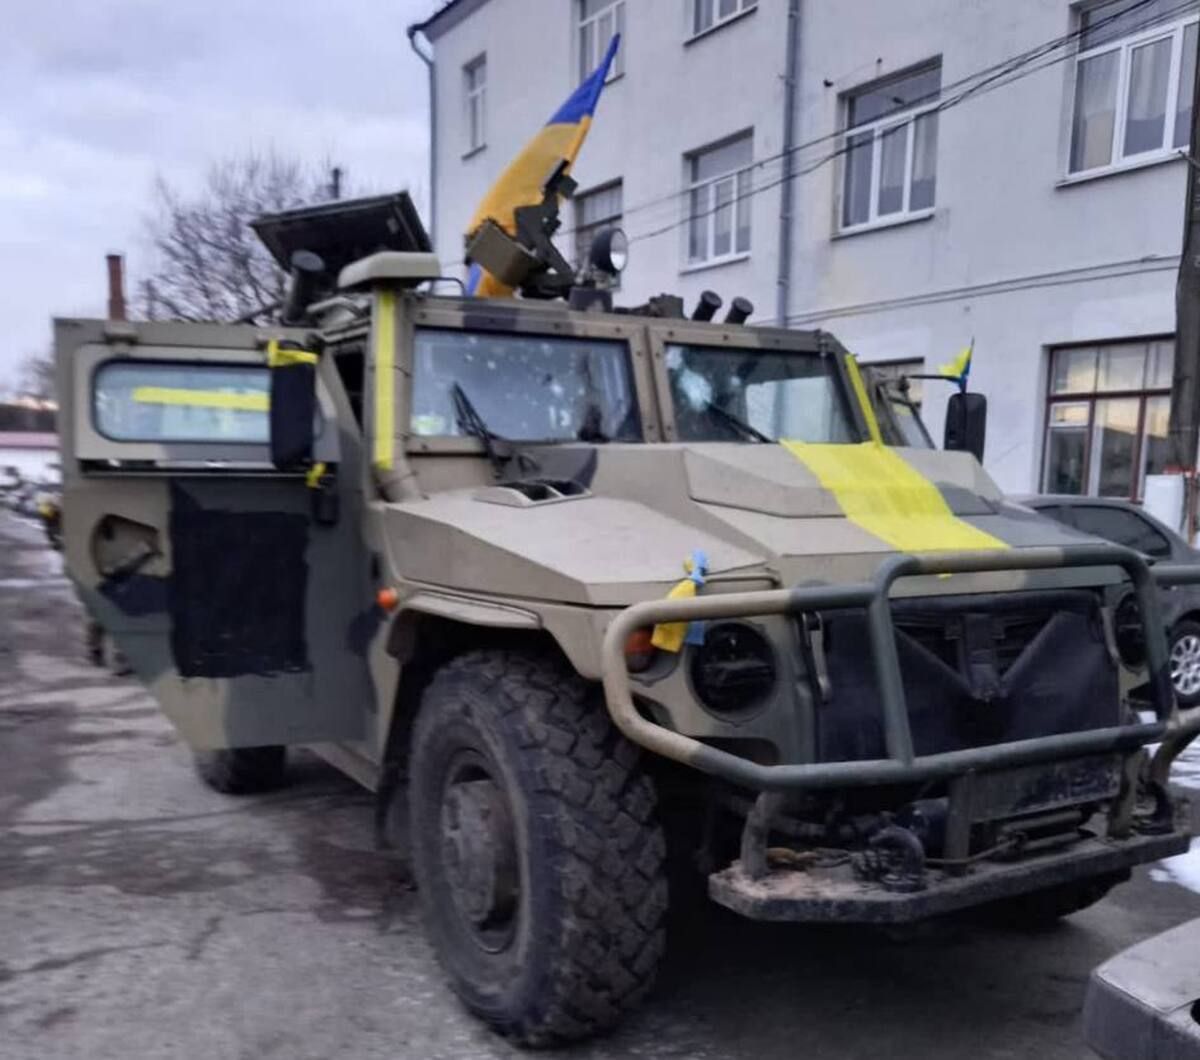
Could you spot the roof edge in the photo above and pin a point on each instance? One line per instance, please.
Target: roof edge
(445, 18)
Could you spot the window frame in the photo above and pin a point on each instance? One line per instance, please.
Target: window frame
(198, 344)
(588, 63)
(744, 8)
(539, 322)
(1143, 395)
(878, 128)
(474, 96)
(1125, 46)
(152, 366)
(710, 210)
(662, 334)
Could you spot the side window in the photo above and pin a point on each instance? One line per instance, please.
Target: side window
(720, 186)
(599, 21)
(1133, 83)
(1122, 528)
(890, 168)
(153, 401)
(475, 105)
(1059, 515)
(706, 14)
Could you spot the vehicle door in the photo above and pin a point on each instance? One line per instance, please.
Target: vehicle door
(239, 594)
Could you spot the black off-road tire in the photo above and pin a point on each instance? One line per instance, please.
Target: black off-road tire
(1043, 909)
(587, 932)
(243, 770)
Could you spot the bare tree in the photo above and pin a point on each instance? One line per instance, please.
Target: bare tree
(35, 377)
(210, 264)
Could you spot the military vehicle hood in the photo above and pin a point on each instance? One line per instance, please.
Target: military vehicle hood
(761, 513)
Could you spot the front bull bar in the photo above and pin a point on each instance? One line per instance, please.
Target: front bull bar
(1173, 727)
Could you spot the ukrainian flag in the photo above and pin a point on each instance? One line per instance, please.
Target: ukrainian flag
(521, 183)
(959, 369)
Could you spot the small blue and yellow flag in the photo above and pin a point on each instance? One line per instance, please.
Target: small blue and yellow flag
(521, 183)
(959, 368)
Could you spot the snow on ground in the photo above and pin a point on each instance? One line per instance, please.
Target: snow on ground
(1187, 768)
(1183, 870)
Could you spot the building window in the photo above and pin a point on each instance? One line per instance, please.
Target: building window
(1106, 421)
(890, 170)
(1133, 84)
(595, 211)
(475, 103)
(719, 196)
(709, 13)
(599, 22)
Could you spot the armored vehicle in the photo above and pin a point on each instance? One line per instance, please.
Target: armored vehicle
(570, 587)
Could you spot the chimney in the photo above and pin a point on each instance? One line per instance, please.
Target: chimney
(116, 288)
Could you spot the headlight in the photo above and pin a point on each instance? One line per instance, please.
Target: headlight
(1129, 633)
(734, 669)
(610, 252)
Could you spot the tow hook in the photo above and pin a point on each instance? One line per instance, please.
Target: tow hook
(894, 858)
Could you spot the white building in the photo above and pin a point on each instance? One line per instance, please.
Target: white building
(1008, 172)
(28, 456)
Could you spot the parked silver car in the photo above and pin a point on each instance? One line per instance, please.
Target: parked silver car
(1126, 524)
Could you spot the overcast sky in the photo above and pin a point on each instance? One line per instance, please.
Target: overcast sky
(100, 96)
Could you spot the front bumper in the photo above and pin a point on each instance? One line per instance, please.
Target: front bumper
(837, 895)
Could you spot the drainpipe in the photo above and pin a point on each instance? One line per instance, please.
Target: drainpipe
(413, 30)
(783, 282)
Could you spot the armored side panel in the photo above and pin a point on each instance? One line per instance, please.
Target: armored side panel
(237, 592)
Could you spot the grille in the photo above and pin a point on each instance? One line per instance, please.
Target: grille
(976, 670)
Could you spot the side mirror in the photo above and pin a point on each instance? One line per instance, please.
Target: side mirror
(293, 408)
(966, 424)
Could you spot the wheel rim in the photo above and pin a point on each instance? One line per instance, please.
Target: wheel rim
(479, 853)
(1185, 665)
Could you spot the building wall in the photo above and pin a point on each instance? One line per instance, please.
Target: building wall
(1013, 256)
(672, 99)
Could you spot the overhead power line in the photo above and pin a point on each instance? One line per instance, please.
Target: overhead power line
(979, 83)
(1006, 71)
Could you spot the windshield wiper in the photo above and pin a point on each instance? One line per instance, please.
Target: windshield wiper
(738, 424)
(472, 423)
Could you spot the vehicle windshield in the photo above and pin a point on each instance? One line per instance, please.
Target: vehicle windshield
(722, 395)
(524, 387)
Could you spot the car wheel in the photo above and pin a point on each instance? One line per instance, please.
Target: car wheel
(1185, 662)
(536, 847)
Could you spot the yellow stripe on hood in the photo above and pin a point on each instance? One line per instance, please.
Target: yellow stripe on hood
(885, 495)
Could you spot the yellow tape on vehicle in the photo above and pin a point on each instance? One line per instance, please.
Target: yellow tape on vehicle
(864, 400)
(879, 491)
(281, 356)
(385, 380)
(202, 399)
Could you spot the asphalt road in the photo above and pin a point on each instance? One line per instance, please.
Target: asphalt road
(142, 915)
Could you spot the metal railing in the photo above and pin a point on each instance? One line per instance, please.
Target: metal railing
(1173, 727)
